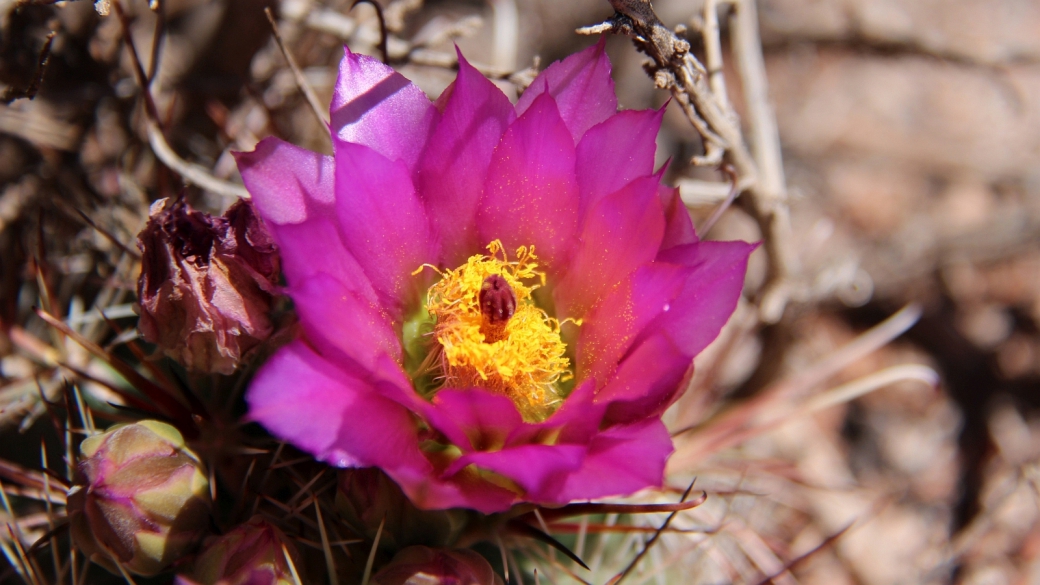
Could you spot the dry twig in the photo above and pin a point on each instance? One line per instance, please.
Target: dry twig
(301, 82)
(653, 540)
(674, 68)
(190, 172)
(10, 94)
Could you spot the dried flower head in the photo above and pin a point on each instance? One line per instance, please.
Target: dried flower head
(497, 302)
(207, 284)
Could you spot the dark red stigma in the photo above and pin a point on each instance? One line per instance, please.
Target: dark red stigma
(497, 300)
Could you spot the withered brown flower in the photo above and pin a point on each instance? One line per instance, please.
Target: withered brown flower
(207, 284)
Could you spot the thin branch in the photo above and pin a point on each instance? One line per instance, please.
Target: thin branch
(713, 50)
(301, 82)
(770, 197)
(506, 23)
(383, 34)
(10, 94)
(777, 403)
(135, 58)
(157, 37)
(108, 235)
(734, 190)
(372, 553)
(827, 542)
(676, 69)
(653, 540)
(190, 172)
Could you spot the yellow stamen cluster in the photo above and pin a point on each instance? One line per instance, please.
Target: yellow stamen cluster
(523, 358)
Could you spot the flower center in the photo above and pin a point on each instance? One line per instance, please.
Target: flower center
(491, 334)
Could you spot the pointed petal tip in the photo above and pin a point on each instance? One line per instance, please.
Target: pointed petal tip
(659, 173)
(374, 105)
(582, 86)
(465, 67)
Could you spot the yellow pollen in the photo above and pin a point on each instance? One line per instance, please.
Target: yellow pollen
(522, 358)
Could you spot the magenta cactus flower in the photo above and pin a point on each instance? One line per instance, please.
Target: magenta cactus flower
(497, 302)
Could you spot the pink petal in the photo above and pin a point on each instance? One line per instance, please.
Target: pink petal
(293, 191)
(647, 382)
(374, 105)
(453, 169)
(349, 423)
(383, 223)
(614, 324)
(679, 228)
(342, 325)
(531, 195)
(615, 152)
(538, 469)
(474, 419)
(581, 86)
(577, 421)
(710, 294)
(329, 412)
(619, 461)
(465, 489)
(622, 232)
(288, 183)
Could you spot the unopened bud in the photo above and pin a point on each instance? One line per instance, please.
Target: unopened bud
(367, 497)
(252, 554)
(207, 284)
(142, 499)
(420, 565)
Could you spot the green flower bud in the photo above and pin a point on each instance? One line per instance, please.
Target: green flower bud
(142, 499)
(248, 555)
(420, 565)
(366, 496)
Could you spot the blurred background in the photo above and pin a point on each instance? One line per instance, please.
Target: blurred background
(910, 141)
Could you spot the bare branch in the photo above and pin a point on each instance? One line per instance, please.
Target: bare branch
(383, 34)
(190, 172)
(676, 69)
(713, 50)
(10, 94)
(301, 81)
